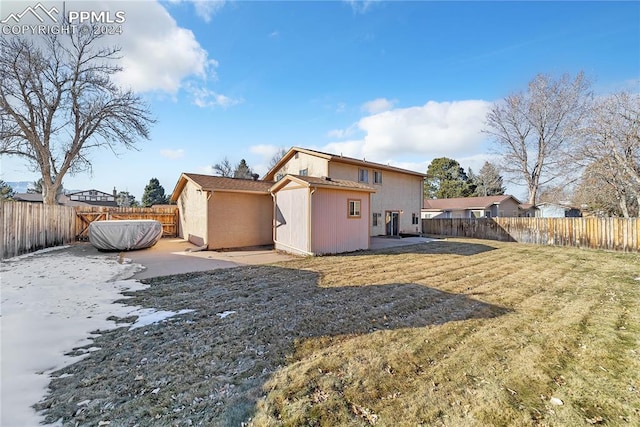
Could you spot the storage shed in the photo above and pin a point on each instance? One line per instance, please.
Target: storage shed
(219, 212)
(316, 216)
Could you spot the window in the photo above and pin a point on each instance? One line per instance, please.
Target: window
(279, 177)
(354, 208)
(487, 214)
(377, 177)
(304, 172)
(377, 219)
(363, 175)
(414, 219)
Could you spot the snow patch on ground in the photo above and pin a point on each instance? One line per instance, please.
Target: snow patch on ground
(50, 303)
(149, 316)
(225, 314)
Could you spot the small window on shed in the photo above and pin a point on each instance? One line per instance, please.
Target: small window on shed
(353, 208)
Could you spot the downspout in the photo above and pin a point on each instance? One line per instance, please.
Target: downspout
(274, 223)
(209, 195)
(309, 246)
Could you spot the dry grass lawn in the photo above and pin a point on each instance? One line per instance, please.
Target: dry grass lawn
(454, 332)
(571, 331)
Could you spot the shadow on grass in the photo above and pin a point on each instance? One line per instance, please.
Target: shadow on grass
(206, 368)
(436, 247)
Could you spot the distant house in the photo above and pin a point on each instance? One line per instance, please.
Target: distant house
(476, 207)
(315, 216)
(558, 210)
(92, 197)
(78, 198)
(396, 202)
(219, 212)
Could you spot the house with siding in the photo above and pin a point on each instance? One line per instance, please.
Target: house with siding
(316, 216)
(219, 212)
(394, 206)
(476, 207)
(309, 203)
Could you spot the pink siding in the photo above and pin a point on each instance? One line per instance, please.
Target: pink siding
(292, 219)
(332, 230)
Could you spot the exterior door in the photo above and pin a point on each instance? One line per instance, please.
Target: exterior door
(392, 222)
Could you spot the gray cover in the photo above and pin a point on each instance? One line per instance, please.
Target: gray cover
(124, 235)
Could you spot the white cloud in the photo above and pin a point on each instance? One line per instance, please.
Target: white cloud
(267, 151)
(341, 107)
(172, 154)
(378, 105)
(157, 55)
(274, 34)
(360, 6)
(203, 97)
(205, 9)
(436, 129)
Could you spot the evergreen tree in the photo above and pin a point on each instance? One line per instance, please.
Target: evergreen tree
(243, 171)
(6, 191)
(153, 194)
(488, 182)
(126, 200)
(446, 179)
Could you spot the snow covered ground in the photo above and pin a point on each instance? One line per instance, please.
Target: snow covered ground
(50, 302)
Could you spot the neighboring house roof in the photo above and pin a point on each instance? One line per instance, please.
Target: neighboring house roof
(28, 197)
(462, 203)
(219, 183)
(324, 182)
(334, 158)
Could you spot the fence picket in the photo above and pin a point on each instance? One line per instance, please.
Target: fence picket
(619, 234)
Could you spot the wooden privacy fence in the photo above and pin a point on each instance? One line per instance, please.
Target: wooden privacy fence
(27, 227)
(619, 234)
(166, 215)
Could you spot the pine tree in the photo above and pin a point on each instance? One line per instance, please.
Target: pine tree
(6, 191)
(153, 194)
(488, 182)
(126, 200)
(243, 171)
(446, 179)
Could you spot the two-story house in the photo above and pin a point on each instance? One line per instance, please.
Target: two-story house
(394, 206)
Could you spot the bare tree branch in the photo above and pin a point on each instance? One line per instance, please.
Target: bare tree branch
(58, 102)
(532, 130)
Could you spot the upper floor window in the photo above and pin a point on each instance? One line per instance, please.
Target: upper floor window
(279, 176)
(377, 177)
(363, 175)
(354, 208)
(304, 172)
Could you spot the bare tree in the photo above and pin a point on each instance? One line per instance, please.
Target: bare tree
(58, 102)
(612, 139)
(224, 168)
(532, 130)
(602, 192)
(276, 157)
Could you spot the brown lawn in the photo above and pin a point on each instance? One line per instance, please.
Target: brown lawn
(456, 332)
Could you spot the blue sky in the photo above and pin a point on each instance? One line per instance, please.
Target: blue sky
(393, 82)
